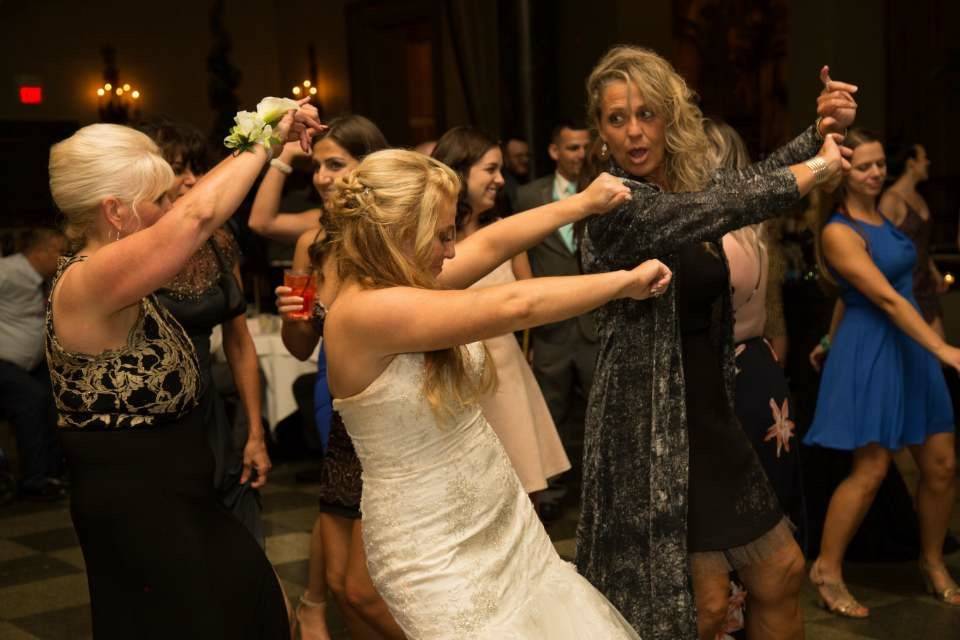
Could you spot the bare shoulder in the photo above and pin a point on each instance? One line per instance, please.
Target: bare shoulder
(840, 240)
(353, 357)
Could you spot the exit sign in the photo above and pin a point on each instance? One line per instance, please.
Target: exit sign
(31, 94)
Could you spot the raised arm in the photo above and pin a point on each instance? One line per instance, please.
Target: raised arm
(846, 252)
(656, 223)
(494, 244)
(121, 273)
(265, 218)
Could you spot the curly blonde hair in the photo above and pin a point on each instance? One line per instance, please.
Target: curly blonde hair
(687, 165)
(382, 222)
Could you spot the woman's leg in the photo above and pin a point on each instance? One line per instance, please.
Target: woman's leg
(848, 505)
(312, 611)
(935, 495)
(711, 591)
(773, 595)
(336, 533)
(362, 595)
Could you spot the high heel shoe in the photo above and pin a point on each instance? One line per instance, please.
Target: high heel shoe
(949, 594)
(834, 596)
(315, 631)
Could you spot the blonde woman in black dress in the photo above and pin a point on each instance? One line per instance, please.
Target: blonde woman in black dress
(163, 558)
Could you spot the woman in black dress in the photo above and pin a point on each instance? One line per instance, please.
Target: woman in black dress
(163, 558)
(903, 205)
(762, 402)
(661, 407)
(207, 294)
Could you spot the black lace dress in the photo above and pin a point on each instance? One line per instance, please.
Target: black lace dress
(164, 559)
(206, 294)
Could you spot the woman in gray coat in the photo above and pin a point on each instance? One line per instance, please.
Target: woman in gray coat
(673, 492)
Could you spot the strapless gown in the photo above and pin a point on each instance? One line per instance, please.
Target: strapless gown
(453, 544)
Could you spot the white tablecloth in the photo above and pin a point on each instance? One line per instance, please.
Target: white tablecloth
(279, 368)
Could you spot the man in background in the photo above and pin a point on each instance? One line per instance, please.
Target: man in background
(516, 169)
(25, 395)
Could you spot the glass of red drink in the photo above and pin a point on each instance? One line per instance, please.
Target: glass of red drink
(301, 284)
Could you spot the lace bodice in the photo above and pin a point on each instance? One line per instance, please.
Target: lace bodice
(151, 379)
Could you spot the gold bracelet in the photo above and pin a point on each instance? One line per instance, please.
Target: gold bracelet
(820, 169)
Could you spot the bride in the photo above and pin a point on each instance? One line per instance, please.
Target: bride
(453, 544)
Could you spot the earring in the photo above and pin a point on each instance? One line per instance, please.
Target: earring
(118, 235)
(603, 150)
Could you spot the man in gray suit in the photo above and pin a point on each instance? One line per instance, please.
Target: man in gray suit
(564, 353)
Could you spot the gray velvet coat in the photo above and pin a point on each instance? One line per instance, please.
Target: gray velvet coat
(631, 540)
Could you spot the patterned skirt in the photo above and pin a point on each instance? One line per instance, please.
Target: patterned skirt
(340, 483)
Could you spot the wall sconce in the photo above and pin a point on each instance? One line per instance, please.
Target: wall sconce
(117, 103)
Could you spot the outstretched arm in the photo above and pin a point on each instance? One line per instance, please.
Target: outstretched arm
(494, 244)
(407, 320)
(656, 223)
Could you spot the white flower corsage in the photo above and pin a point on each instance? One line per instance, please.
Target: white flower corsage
(253, 128)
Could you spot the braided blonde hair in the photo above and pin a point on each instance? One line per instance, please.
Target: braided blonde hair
(686, 163)
(383, 218)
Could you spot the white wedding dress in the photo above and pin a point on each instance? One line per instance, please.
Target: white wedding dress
(453, 544)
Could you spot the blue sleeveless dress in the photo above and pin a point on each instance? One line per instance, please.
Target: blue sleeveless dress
(879, 385)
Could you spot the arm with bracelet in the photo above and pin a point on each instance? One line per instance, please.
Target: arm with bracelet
(265, 216)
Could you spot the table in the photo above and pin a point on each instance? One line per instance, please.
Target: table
(279, 368)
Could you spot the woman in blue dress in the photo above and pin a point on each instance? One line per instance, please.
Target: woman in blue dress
(882, 387)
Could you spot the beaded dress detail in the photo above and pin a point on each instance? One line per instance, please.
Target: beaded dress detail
(153, 378)
(452, 541)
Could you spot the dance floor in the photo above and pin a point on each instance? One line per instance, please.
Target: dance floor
(43, 590)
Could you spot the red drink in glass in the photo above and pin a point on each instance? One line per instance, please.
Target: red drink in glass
(301, 284)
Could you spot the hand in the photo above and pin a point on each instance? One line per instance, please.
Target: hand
(837, 157)
(949, 356)
(287, 304)
(817, 356)
(293, 152)
(255, 458)
(651, 279)
(604, 194)
(835, 104)
(300, 125)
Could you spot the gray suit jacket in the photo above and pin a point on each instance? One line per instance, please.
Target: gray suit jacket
(552, 258)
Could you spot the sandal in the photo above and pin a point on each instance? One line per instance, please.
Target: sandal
(320, 633)
(834, 596)
(949, 594)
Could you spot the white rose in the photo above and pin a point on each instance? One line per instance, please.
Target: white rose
(271, 110)
(249, 124)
